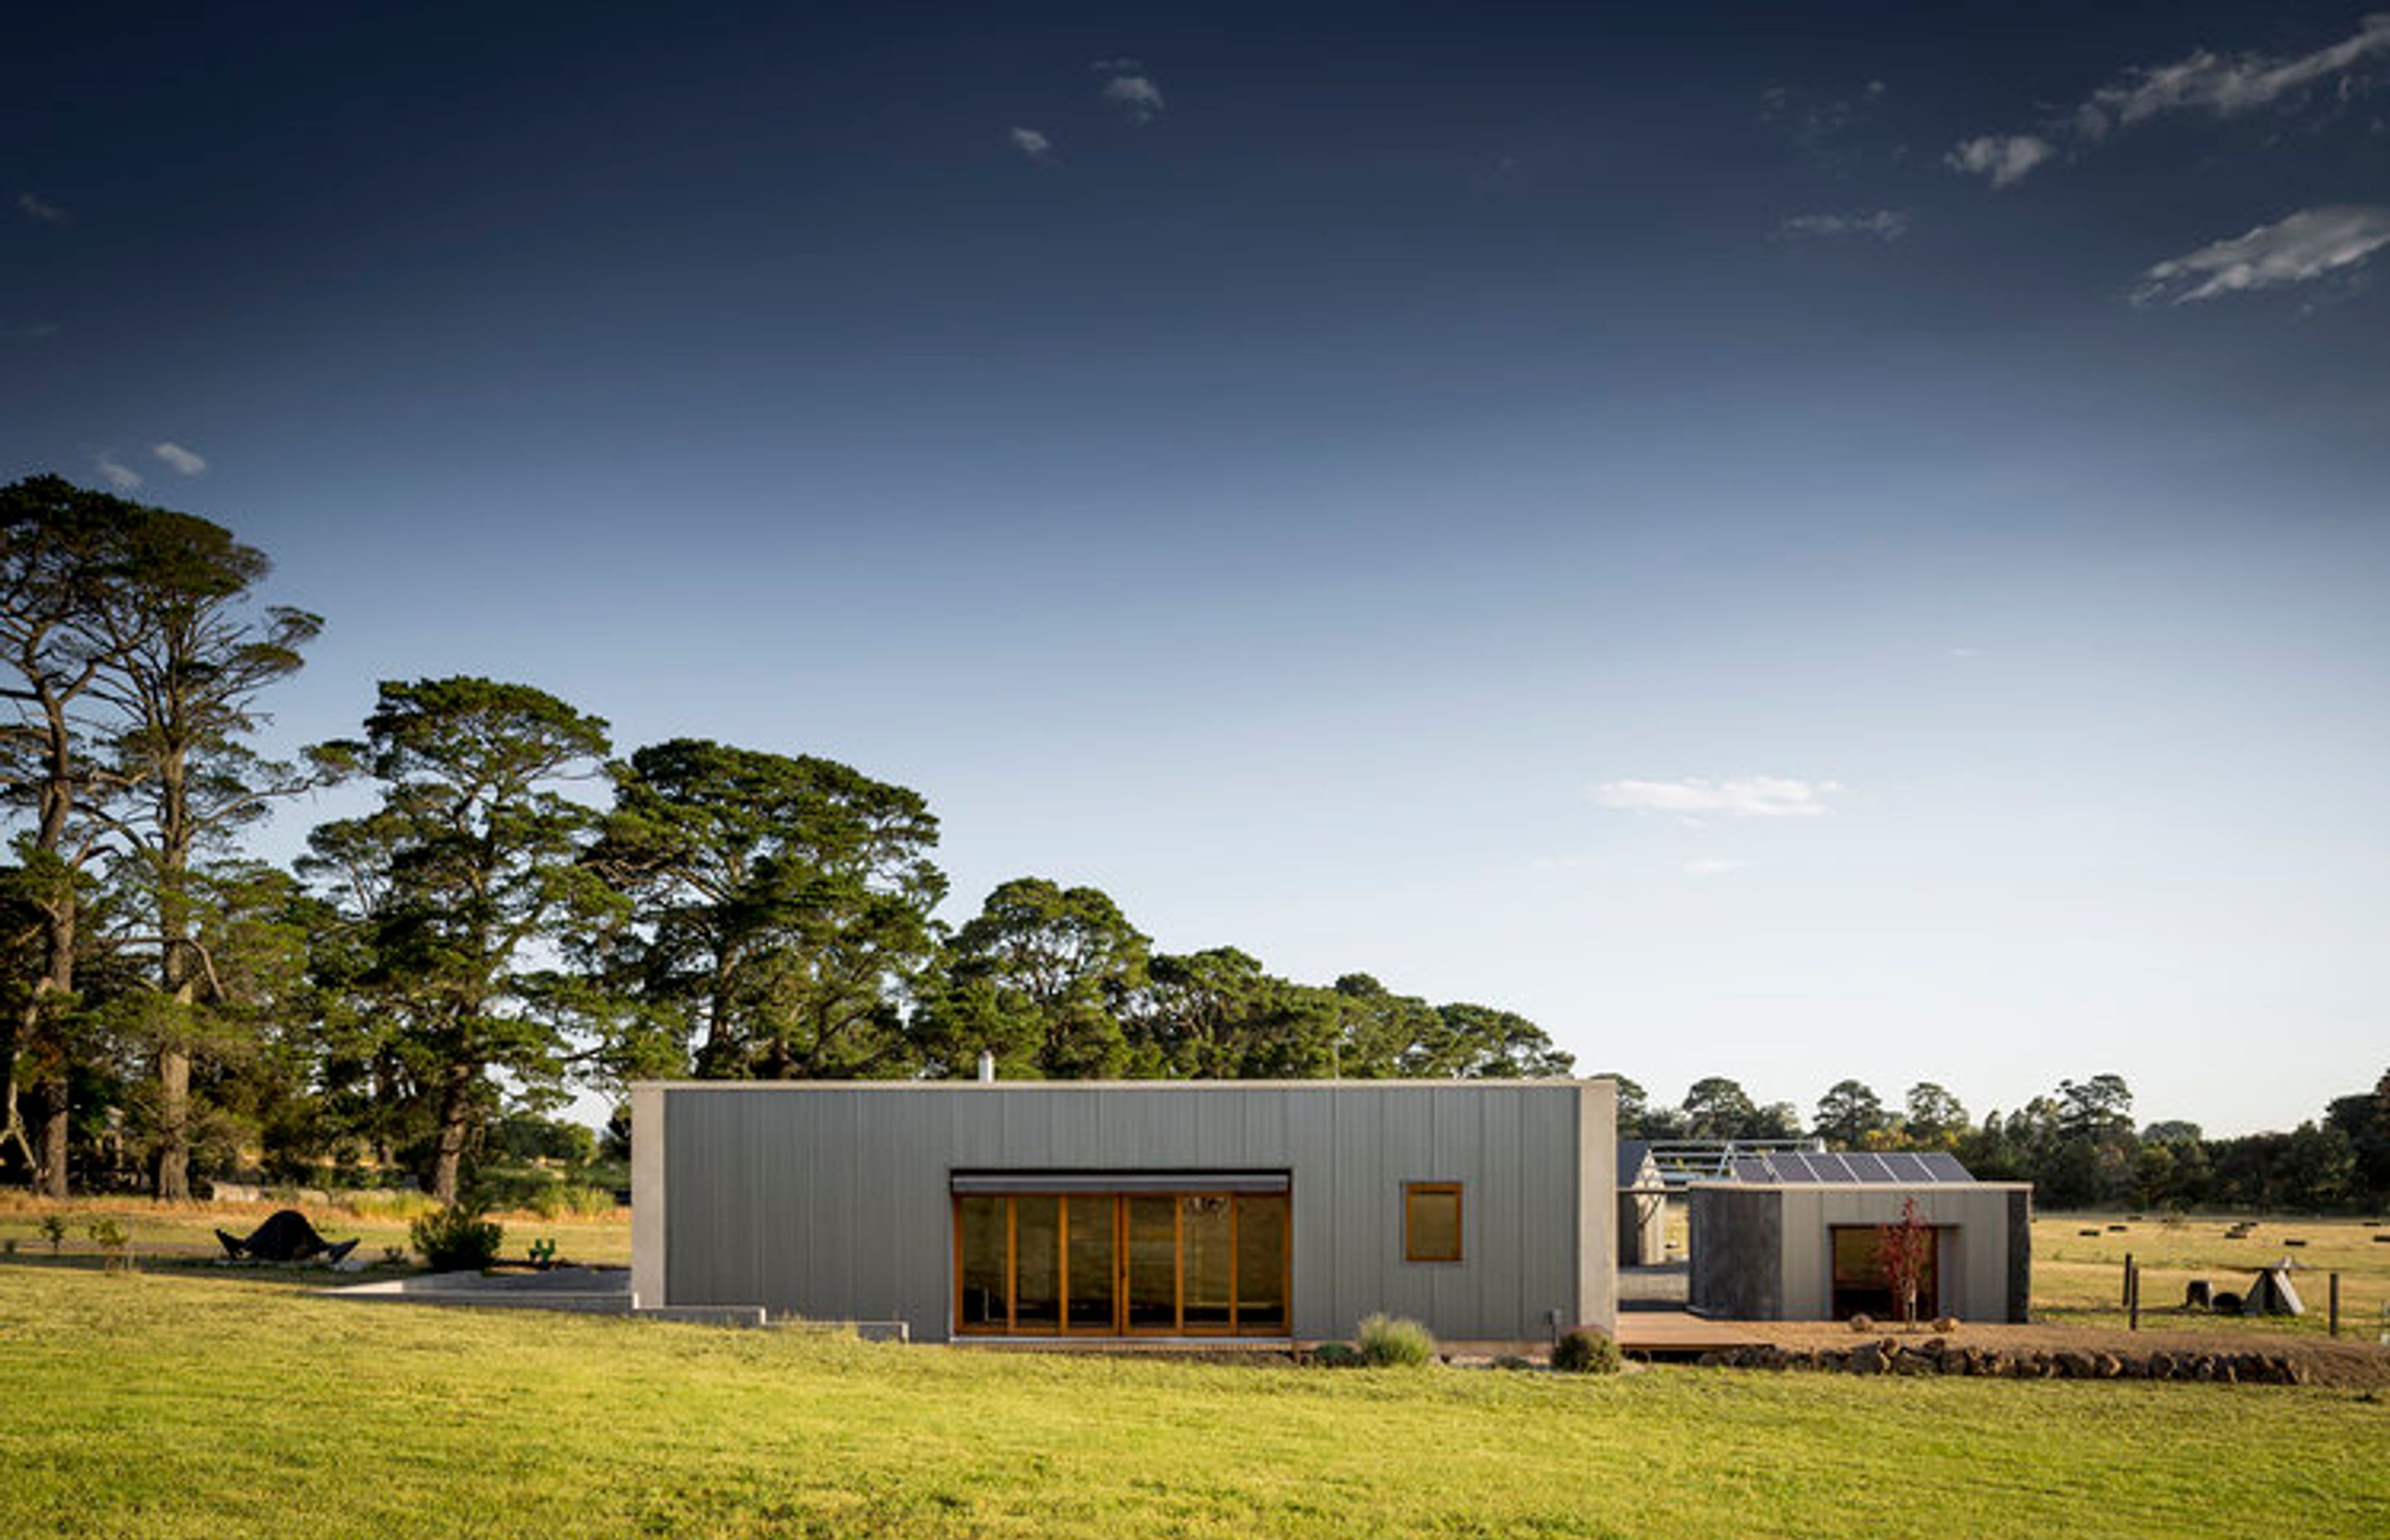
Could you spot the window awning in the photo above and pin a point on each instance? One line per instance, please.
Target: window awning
(966, 1182)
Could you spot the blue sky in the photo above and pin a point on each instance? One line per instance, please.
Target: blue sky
(1781, 545)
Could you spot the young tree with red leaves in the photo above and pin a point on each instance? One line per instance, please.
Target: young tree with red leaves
(1902, 1252)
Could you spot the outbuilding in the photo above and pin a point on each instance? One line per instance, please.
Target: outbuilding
(1267, 1212)
(1794, 1237)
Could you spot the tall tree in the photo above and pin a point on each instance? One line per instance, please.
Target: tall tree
(1198, 1012)
(1042, 977)
(1716, 1108)
(189, 665)
(779, 908)
(2097, 1109)
(1481, 1043)
(459, 883)
(1848, 1114)
(1935, 1117)
(65, 552)
(1377, 1028)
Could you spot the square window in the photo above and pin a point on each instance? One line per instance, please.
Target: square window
(1431, 1222)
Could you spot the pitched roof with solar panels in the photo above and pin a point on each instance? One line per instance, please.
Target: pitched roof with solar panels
(1857, 1168)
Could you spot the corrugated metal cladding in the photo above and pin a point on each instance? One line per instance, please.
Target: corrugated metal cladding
(833, 1202)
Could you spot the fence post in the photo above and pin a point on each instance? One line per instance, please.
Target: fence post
(2335, 1304)
(2127, 1300)
(2134, 1322)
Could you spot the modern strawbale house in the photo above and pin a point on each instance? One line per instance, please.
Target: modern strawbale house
(1792, 1238)
(1133, 1211)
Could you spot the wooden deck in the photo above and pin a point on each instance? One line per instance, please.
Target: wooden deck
(1682, 1331)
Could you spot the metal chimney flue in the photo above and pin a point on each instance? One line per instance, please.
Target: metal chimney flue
(986, 1067)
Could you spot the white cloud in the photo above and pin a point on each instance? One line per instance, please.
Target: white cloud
(2309, 244)
(2005, 158)
(1116, 66)
(1715, 865)
(1883, 225)
(1965, 653)
(1035, 146)
(48, 212)
(1136, 96)
(179, 457)
(2202, 80)
(123, 477)
(2206, 82)
(1742, 797)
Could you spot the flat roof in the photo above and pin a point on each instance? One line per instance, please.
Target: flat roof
(1548, 1083)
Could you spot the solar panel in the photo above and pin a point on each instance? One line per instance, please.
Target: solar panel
(1902, 1168)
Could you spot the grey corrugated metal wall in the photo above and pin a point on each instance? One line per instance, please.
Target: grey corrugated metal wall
(1765, 1253)
(832, 1201)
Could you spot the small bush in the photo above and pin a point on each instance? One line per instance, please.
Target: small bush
(1512, 1361)
(1336, 1355)
(456, 1240)
(1389, 1342)
(54, 1230)
(1586, 1353)
(1862, 1322)
(114, 1242)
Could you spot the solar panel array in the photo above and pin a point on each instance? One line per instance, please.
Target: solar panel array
(1900, 1168)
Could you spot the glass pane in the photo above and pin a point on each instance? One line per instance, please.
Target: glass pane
(1431, 1223)
(1152, 1263)
(1261, 1264)
(981, 1229)
(1207, 1268)
(1092, 1284)
(1036, 1264)
(1854, 1256)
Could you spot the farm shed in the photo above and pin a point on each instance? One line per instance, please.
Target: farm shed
(1792, 1238)
(1136, 1210)
(1642, 1206)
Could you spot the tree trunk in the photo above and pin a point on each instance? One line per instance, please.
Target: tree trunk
(448, 1152)
(12, 1117)
(174, 1126)
(177, 975)
(51, 1179)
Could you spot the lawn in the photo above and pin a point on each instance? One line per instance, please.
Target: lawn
(186, 1233)
(2079, 1278)
(187, 1402)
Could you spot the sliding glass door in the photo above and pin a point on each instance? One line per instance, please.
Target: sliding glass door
(1111, 1264)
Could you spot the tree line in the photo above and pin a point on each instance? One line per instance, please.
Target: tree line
(519, 915)
(2079, 1145)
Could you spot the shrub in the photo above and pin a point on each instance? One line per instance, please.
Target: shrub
(1862, 1322)
(1512, 1361)
(114, 1241)
(457, 1238)
(1336, 1355)
(1586, 1353)
(1389, 1342)
(54, 1230)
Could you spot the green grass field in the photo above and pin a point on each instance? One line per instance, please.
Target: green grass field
(2078, 1279)
(171, 1235)
(180, 1403)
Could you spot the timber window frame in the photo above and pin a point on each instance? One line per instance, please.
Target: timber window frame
(1422, 1203)
(1227, 1263)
